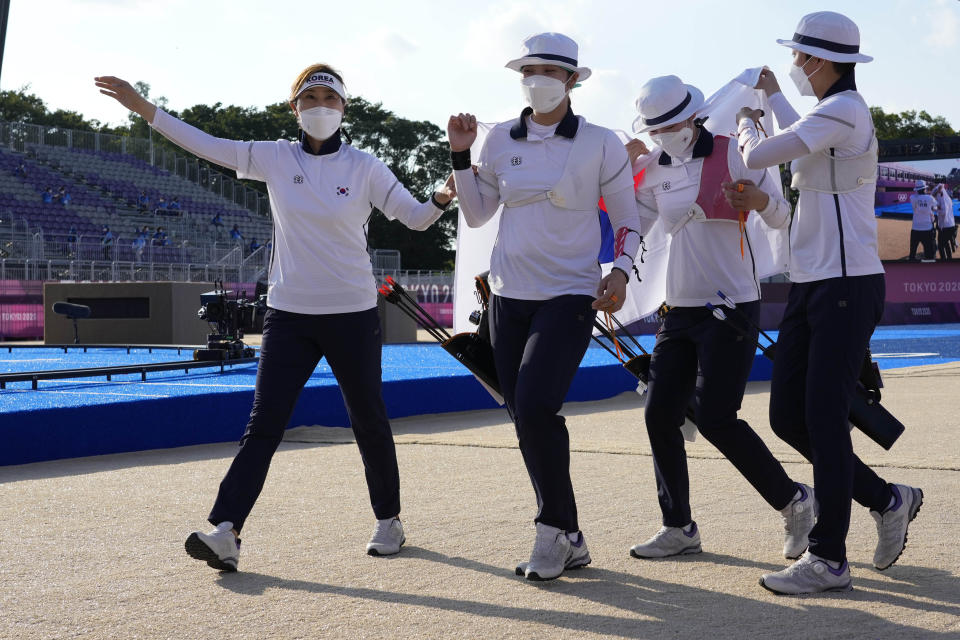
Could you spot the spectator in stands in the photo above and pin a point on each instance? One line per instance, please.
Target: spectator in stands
(174, 204)
(161, 205)
(254, 245)
(947, 226)
(48, 196)
(106, 242)
(20, 170)
(235, 234)
(143, 233)
(160, 238)
(138, 245)
(63, 196)
(922, 231)
(143, 202)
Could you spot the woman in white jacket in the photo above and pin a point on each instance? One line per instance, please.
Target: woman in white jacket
(836, 298)
(548, 168)
(322, 296)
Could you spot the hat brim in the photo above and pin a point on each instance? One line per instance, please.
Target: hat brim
(519, 63)
(826, 54)
(696, 103)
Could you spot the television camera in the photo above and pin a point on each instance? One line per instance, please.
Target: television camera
(231, 317)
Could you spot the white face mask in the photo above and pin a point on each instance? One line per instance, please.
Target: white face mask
(801, 79)
(675, 143)
(543, 93)
(320, 122)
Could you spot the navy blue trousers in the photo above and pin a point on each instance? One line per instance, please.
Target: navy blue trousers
(537, 348)
(824, 336)
(700, 357)
(292, 346)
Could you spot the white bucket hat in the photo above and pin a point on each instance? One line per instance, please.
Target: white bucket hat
(665, 101)
(550, 48)
(828, 35)
(920, 185)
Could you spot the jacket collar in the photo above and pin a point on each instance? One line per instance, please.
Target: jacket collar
(702, 148)
(566, 128)
(846, 82)
(328, 146)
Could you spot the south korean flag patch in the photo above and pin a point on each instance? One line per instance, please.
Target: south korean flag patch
(343, 191)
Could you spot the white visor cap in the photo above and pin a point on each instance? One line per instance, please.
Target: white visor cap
(322, 79)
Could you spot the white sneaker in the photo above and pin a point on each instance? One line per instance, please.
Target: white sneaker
(551, 550)
(892, 524)
(669, 541)
(220, 548)
(798, 519)
(387, 538)
(577, 557)
(809, 574)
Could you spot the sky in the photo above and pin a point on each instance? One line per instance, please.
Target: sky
(426, 60)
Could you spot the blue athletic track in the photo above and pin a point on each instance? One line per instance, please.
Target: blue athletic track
(91, 416)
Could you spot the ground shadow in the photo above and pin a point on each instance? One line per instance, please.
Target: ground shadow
(668, 608)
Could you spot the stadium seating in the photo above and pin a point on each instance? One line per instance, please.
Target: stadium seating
(104, 188)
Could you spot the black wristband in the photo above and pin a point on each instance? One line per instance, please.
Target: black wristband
(460, 159)
(625, 274)
(437, 204)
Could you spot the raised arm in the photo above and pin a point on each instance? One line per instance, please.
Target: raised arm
(218, 150)
(785, 113)
(396, 202)
(477, 190)
(760, 154)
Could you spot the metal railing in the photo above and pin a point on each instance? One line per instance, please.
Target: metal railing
(175, 258)
(435, 285)
(117, 271)
(20, 136)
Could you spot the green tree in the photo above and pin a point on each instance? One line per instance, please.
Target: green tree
(20, 106)
(416, 152)
(909, 124)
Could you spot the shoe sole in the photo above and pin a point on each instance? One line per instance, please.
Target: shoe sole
(913, 514)
(683, 552)
(521, 569)
(536, 577)
(197, 548)
(842, 589)
(377, 553)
